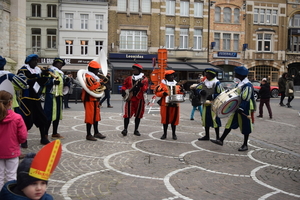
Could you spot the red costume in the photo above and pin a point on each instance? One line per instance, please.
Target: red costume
(169, 112)
(91, 104)
(136, 105)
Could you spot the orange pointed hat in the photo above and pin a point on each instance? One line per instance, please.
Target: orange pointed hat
(46, 161)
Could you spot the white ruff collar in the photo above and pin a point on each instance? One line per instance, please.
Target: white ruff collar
(137, 77)
(93, 75)
(246, 80)
(169, 83)
(4, 73)
(35, 70)
(210, 83)
(57, 70)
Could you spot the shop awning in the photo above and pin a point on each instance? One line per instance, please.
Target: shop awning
(126, 65)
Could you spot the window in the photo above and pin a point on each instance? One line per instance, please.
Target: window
(295, 20)
(255, 15)
(51, 38)
(170, 7)
(197, 39)
(69, 47)
(236, 42)
(146, 6)
(133, 40)
(198, 9)
(262, 16)
(227, 15)
(134, 5)
(217, 14)
(99, 46)
(184, 38)
(122, 5)
(236, 15)
(84, 47)
(184, 8)
(265, 16)
(217, 40)
(51, 10)
(84, 21)
(99, 22)
(36, 39)
(69, 20)
(264, 42)
(226, 41)
(170, 38)
(36, 10)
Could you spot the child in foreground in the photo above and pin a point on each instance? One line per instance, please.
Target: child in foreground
(25, 187)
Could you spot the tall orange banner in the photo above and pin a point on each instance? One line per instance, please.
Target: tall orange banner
(158, 73)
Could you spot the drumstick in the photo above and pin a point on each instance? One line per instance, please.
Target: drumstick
(248, 116)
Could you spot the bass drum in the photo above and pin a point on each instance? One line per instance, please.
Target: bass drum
(226, 103)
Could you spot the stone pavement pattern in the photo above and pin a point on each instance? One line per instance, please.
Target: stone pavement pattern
(148, 168)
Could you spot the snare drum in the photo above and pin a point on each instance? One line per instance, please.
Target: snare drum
(176, 98)
(226, 103)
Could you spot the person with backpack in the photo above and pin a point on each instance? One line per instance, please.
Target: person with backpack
(195, 101)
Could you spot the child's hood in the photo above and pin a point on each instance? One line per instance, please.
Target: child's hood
(9, 117)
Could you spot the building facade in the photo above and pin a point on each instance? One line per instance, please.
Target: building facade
(13, 33)
(137, 29)
(82, 31)
(42, 29)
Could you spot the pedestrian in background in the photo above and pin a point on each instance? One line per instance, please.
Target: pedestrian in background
(107, 92)
(195, 101)
(71, 83)
(282, 87)
(265, 95)
(289, 91)
(13, 132)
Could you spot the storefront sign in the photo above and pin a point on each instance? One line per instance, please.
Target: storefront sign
(49, 61)
(227, 54)
(132, 56)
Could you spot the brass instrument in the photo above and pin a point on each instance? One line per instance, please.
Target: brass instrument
(47, 69)
(53, 76)
(103, 77)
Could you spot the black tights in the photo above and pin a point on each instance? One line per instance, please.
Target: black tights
(227, 131)
(89, 127)
(54, 126)
(136, 123)
(217, 130)
(282, 96)
(166, 128)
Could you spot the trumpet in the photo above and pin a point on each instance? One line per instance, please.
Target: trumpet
(49, 72)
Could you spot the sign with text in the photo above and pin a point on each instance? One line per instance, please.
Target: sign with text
(227, 54)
